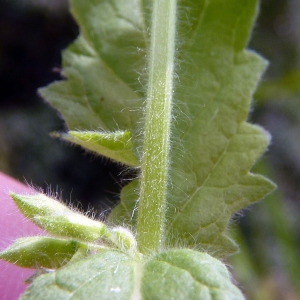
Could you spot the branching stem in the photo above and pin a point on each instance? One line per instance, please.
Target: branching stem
(155, 162)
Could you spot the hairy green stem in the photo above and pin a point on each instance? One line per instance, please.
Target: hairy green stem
(155, 162)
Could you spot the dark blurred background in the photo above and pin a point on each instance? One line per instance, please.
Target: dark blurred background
(32, 35)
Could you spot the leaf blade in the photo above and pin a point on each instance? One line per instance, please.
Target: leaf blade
(92, 97)
(221, 146)
(107, 275)
(175, 274)
(187, 274)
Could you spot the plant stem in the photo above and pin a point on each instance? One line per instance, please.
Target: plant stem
(155, 162)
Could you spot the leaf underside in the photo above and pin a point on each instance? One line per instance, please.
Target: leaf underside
(213, 148)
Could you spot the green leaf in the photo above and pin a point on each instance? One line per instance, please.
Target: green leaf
(176, 274)
(187, 274)
(39, 205)
(102, 67)
(58, 219)
(213, 147)
(41, 252)
(103, 91)
(115, 145)
(74, 226)
(107, 275)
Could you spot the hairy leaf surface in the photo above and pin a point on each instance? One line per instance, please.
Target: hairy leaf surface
(213, 148)
(108, 275)
(56, 218)
(42, 252)
(103, 67)
(175, 274)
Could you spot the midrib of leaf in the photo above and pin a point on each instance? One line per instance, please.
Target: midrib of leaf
(155, 161)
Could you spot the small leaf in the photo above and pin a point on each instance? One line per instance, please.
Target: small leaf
(115, 145)
(73, 225)
(176, 274)
(39, 205)
(41, 252)
(56, 218)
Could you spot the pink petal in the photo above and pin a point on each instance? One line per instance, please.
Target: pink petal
(13, 225)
